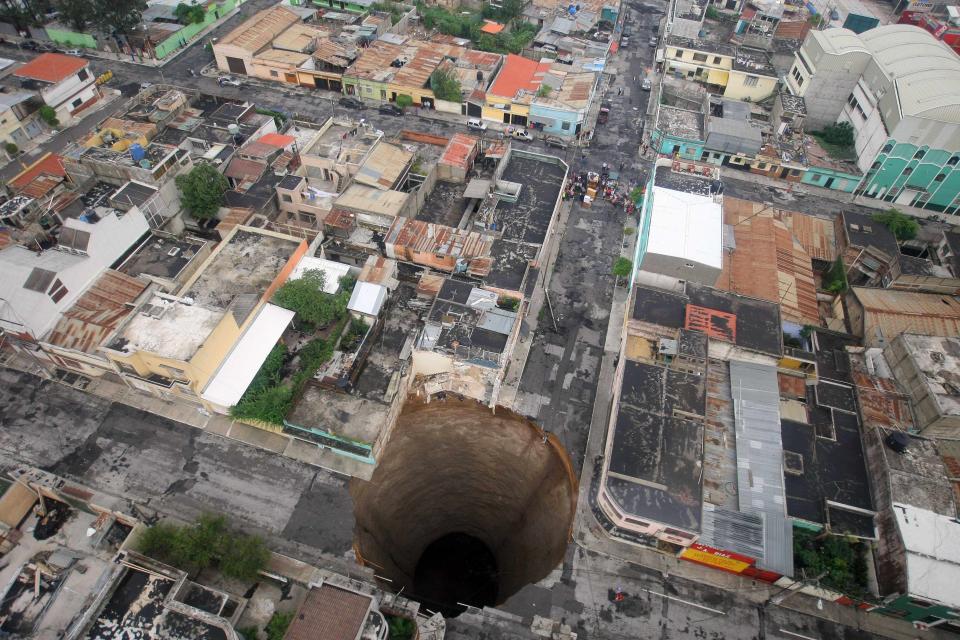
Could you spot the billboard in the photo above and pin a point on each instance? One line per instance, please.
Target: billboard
(725, 560)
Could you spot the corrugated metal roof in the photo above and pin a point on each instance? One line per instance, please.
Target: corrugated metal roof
(384, 166)
(756, 409)
(889, 312)
(257, 32)
(767, 539)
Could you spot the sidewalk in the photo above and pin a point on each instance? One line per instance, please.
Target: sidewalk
(214, 423)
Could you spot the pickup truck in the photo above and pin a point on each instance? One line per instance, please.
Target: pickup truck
(604, 113)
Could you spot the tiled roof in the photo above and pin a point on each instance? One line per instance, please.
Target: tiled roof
(277, 140)
(489, 26)
(241, 168)
(518, 73)
(51, 67)
(459, 150)
(97, 312)
(330, 613)
(49, 165)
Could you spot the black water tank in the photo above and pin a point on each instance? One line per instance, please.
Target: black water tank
(898, 441)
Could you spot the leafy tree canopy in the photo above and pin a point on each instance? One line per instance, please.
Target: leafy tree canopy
(902, 226)
(76, 13)
(189, 13)
(201, 191)
(445, 85)
(622, 267)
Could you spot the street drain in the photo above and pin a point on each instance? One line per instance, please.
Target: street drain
(465, 506)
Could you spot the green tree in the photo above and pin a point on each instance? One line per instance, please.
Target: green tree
(306, 297)
(270, 405)
(159, 541)
(902, 226)
(201, 191)
(277, 627)
(401, 628)
(244, 558)
(189, 13)
(49, 115)
(840, 134)
(403, 101)
(76, 13)
(118, 16)
(622, 268)
(445, 84)
(544, 91)
(11, 148)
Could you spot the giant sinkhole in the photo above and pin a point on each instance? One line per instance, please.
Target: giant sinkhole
(466, 506)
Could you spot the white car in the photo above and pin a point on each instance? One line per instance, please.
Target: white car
(521, 134)
(647, 85)
(228, 81)
(73, 52)
(476, 124)
(146, 85)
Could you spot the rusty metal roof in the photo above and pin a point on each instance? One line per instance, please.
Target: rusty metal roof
(459, 151)
(889, 313)
(96, 313)
(331, 613)
(257, 32)
(407, 234)
(768, 262)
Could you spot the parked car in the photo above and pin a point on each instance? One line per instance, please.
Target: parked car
(624, 42)
(647, 85)
(228, 81)
(146, 85)
(73, 52)
(350, 103)
(520, 134)
(390, 110)
(476, 124)
(29, 44)
(653, 41)
(555, 142)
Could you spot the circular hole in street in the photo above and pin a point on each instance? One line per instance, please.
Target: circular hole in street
(466, 506)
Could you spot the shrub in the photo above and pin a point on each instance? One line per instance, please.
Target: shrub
(189, 13)
(840, 134)
(49, 115)
(902, 226)
(277, 627)
(544, 91)
(445, 85)
(622, 267)
(270, 405)
(842, 559)
(835, 279)
(314, 307)
(629, 231)
(401, 628)
(208, 542)
(403, 101)
(508, 303)
(11, 148)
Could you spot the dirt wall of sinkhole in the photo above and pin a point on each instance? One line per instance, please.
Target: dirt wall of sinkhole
(453, 466)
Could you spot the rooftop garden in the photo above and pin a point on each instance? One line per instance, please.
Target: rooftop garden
(837, 140)
(842, 560)
(320, 320)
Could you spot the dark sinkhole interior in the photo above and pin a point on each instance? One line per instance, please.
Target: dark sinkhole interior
(466, 506)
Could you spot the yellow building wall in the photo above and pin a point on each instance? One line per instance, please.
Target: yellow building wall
(416, 94)
(686, 56)
(737, 88)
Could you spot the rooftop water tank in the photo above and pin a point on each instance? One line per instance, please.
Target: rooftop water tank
(137, 153)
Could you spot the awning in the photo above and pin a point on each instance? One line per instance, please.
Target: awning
(544, 120)
(239, 368)
(717, 76)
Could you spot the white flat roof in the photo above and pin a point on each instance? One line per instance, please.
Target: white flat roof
(686, 225)
(932, 542)
(239, 368)
(367, 298)
(332, 271)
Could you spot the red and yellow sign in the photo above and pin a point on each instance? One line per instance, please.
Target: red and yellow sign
(726, 560)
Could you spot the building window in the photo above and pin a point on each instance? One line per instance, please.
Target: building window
(804, 62)
(699, 57)
(952, 162)
(887, 148)
(285, 197)
(797, 77)
(940, 178)
(919, 154)
(274, 74)
(907, 171)
(717, 60)
(875, 165)
(751, 81)
(852, 100)
(678, 53)
(57, 291)
(76, 103)
(565, 126)
(83, 75)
